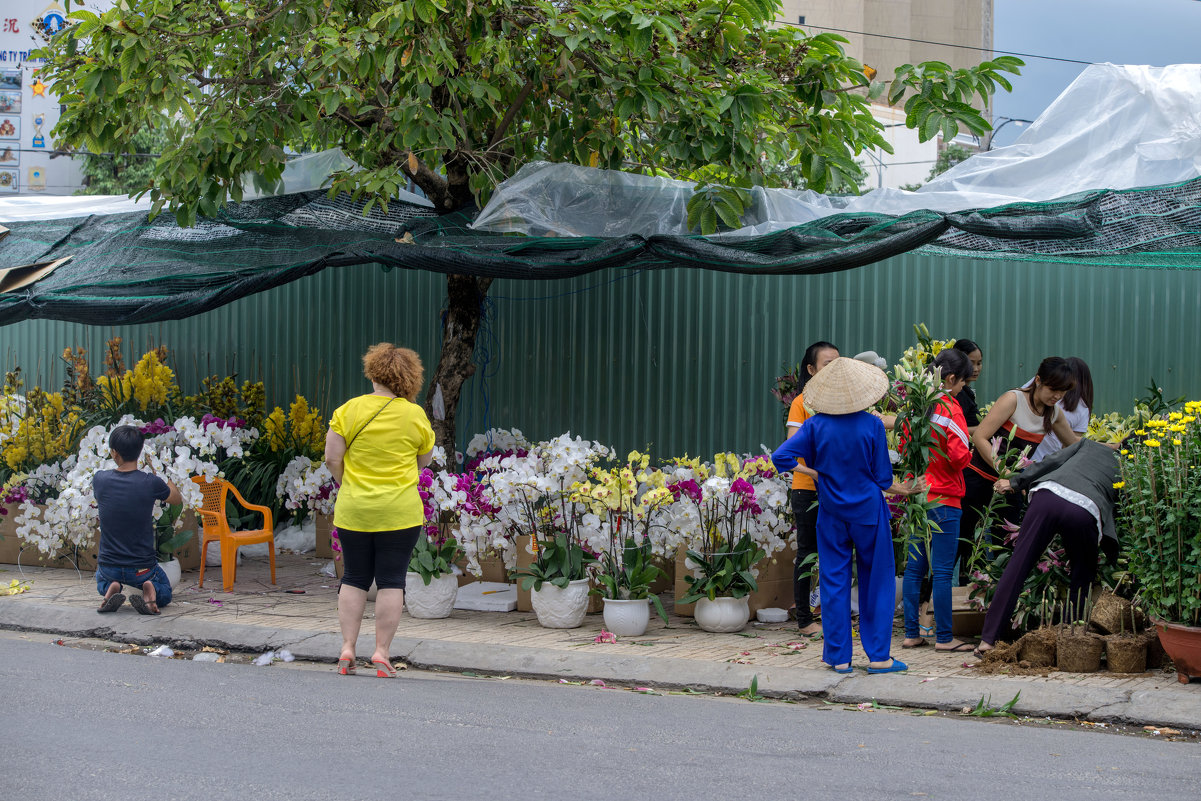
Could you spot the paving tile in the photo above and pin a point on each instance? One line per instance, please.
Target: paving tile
(253, 600)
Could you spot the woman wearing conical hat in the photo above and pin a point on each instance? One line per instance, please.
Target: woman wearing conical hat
(845, 451)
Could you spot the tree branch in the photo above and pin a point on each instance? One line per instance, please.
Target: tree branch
(511, 114)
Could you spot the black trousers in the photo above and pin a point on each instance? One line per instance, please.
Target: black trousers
(804, 512)
(382, 556)
(1047, 516)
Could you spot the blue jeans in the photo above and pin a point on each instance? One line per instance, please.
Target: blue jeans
(133, 577)
(944, 543)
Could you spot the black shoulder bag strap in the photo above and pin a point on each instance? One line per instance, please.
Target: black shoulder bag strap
(360, 431)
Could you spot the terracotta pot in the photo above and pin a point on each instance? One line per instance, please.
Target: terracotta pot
(1183, 646)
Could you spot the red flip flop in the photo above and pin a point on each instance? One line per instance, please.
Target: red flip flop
(383, 670)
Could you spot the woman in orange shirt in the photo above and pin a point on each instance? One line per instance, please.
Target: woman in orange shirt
(804, 494)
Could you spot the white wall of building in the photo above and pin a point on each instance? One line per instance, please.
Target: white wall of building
(28, 110)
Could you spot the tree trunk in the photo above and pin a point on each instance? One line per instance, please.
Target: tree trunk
(465, 298)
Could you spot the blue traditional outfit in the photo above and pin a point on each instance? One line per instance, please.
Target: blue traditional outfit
(850, 454)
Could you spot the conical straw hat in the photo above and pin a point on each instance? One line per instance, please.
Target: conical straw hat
(844, 386)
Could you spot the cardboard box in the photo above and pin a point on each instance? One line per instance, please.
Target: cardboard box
(680, 586)
(82, 559)
(774, 580)
(189, 553)
(668, 580)
(10, 546)
(492, 568)
(13, 549)
(966, 620)
(325, 524)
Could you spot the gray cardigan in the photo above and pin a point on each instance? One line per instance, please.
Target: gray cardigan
(1087, 467)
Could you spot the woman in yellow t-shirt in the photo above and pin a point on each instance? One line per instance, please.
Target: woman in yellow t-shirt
(804, 493)
(376, 447)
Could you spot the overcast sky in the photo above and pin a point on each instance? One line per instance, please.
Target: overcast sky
(1156, 32)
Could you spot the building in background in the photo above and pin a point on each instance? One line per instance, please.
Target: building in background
(958, 32)
(28, 110)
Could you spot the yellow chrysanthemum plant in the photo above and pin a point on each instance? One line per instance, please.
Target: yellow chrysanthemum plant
(1160, 511)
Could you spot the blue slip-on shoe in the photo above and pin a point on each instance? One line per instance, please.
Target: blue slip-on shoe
(847, 669)
(897, 666)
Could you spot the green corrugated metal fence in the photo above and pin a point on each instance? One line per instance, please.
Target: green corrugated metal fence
(680, 361)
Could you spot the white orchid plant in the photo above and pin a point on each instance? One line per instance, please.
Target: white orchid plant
(69, 519)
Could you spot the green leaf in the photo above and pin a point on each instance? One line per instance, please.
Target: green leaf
(929, 128)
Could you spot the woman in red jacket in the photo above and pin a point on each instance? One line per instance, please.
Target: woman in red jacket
(944, 478)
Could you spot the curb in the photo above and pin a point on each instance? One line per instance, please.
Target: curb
(1174, 705)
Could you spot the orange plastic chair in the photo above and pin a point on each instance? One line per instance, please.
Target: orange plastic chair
(215, 528)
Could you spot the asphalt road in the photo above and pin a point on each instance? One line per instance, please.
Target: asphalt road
(84, 725)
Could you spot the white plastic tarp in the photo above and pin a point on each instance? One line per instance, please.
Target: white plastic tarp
(1115, 127)
(302, 174)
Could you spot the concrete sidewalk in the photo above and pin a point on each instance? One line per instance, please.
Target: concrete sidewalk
(258, 617)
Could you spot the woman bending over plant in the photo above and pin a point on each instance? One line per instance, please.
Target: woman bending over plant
(1024, 417)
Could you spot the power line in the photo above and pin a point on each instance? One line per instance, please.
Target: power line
(59, 154)
(940, 44)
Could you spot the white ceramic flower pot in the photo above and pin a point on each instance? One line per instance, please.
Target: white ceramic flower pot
(722, 614)
(627, 618)
(433, 600)
(561, 608)
(173, 570)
